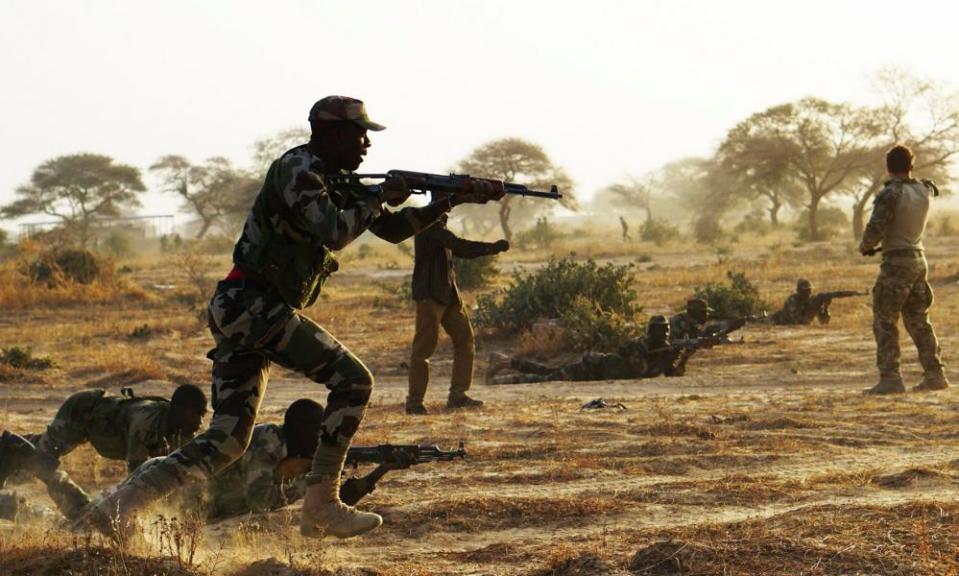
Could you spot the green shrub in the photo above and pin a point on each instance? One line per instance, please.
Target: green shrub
(754, 223)
(474, 273)
(830, 221)
(550, 291)
(117, 244)
(76, 264)
(17, 357)
(740, 298)
(589, 327)
(657, 231)
(541, 235)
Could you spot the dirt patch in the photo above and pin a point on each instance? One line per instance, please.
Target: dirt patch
(88, 560)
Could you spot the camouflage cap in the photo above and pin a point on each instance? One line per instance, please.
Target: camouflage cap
(343, 108)
(803, 285)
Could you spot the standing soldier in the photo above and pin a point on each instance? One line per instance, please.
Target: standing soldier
(438, 304)
(118, 427)
(898, 221)
(281, 261)
(625, 226)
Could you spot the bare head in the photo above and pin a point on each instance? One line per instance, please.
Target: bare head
(900, 160)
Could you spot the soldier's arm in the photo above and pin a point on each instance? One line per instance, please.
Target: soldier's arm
(263, 488)
(676, 365)
(305, 195)
(398, 226)
(461, 247)
(883, 212)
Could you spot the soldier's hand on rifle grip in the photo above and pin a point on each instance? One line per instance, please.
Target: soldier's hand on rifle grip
(395, 191)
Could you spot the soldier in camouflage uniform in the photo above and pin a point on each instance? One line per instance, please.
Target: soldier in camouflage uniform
(899, 216)
(281, 260)
(271, 473)
(692, 322)
(118, 427)
(802, 307)
(640, 358)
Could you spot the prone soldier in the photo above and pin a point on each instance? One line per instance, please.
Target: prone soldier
(122, 427)
(803, 307)
(643, 357)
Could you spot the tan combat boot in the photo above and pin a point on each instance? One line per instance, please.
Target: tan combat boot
(324, 514)
(932, 381)
(888, 384)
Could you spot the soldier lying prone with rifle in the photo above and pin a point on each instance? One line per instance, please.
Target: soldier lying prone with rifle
(802, 307)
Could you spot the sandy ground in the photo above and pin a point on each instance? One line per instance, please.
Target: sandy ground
(764, 459)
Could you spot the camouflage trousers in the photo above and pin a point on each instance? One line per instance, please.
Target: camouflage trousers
(902, 289)
(68, 430)
(252, 328)
(532, 371)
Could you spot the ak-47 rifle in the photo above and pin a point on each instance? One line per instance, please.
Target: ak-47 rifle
(727, 327)
(827, 297)
(416, 454)
(423, 182)
(693, 344)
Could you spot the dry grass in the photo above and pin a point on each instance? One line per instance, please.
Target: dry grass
(763, 459)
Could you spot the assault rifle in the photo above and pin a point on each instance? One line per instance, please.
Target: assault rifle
(727, 327)
(416, 454)
(693, 344)
(827, 297)
(423, 182)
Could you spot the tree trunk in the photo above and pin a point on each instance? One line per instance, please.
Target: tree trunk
(858, 219)
(774, 209)
(504, 210)
(207, 222)
(813, 224)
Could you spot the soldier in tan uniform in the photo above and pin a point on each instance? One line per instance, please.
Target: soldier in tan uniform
(898, 221)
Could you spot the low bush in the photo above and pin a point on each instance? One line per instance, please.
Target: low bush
(472, 273)
(740, 298)
(657, 231)
(551, 291)
(54, 267)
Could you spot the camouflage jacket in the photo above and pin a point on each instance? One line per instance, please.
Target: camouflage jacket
(899, 216)
(796, 311)
(131, 429)
(297, 219)
(252, 484)
(646, 363)
(683, 325)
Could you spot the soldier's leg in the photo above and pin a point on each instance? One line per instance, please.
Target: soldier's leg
(306, 347)
(889, 295)
(457, 325)
(519, 378)
(428, 313)
(915, 317)
(530, 366)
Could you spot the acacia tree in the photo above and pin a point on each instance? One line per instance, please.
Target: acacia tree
(78, 189)
(213, 191)
(915, 112)
(631, 193)
(520, 161)
(820, 145)
(266, 150)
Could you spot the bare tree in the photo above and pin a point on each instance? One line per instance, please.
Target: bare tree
(266, 150)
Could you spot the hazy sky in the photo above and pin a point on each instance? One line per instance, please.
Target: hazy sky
(606, 87)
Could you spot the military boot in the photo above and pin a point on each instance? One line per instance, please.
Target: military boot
(932, 381)
(416, 408)
(115, 515)
(888, 384)
(462, 401)
(324, 514)
(16, 453)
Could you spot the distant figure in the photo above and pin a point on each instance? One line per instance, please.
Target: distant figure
(625, 226)
(438, 304)
(898, 221)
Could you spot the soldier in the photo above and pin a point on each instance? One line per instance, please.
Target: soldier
(118, 427)
(801, 307)
(625, 226)
(898, 221)
(271, 473)
(692, 322)
(438, 304)
(640, 358)
(281, 260)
